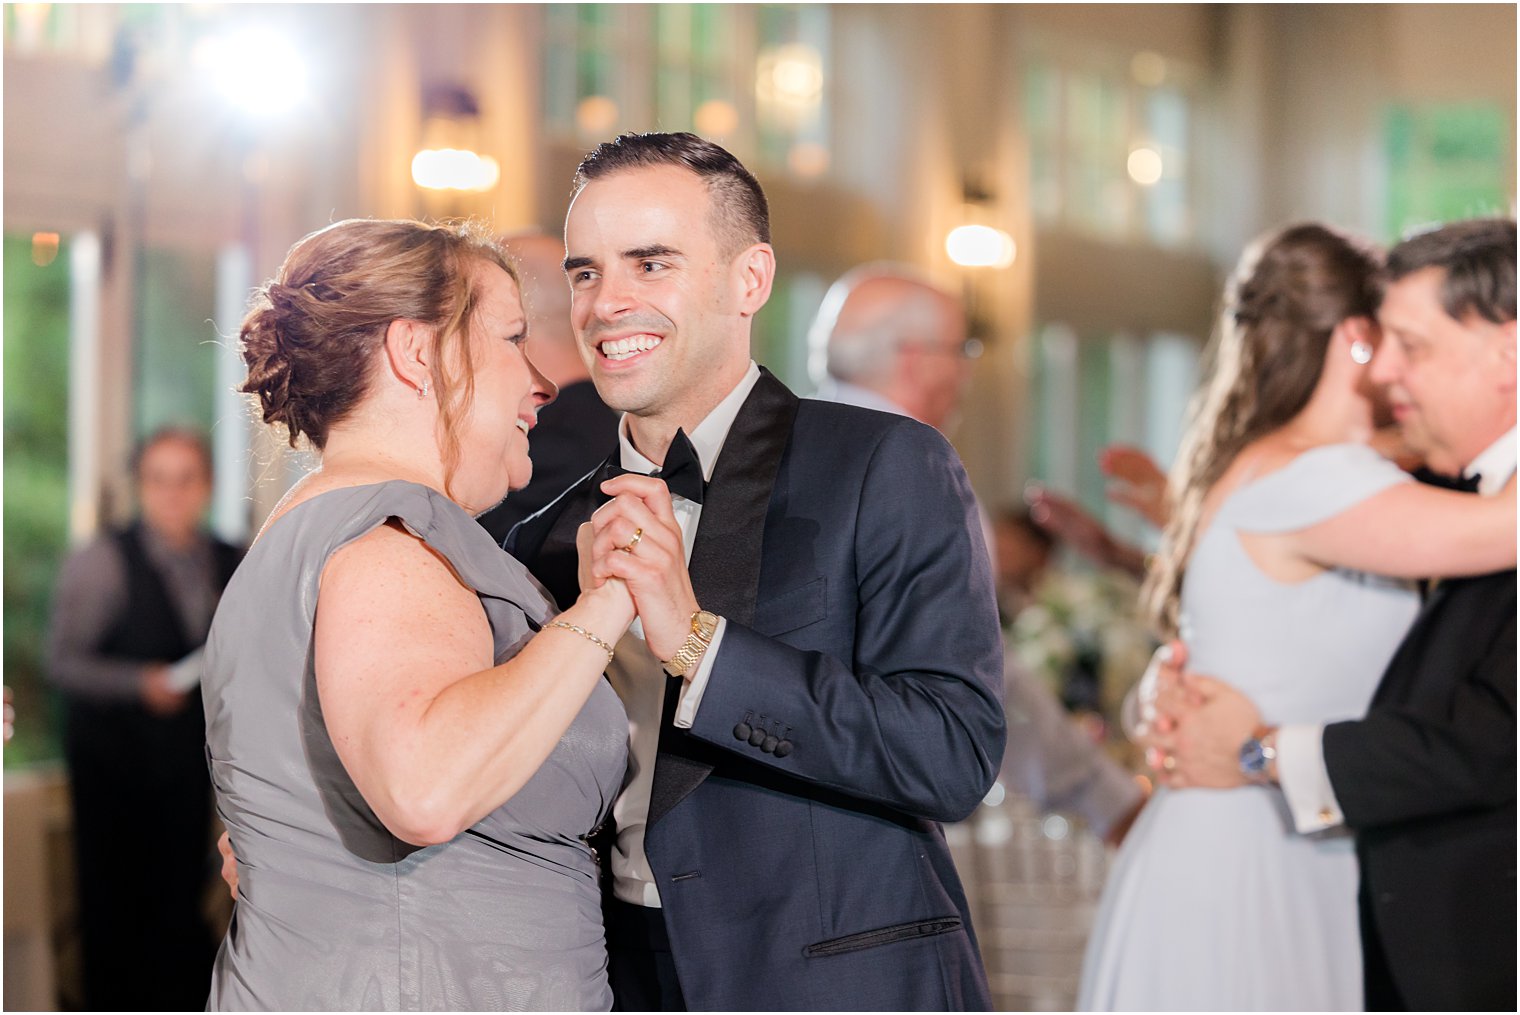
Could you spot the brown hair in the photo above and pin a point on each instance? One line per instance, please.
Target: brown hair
(1287, 296)
(1478, 257)
(311, 335)
(740, 215)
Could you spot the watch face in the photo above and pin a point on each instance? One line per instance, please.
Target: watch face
(1253, 760)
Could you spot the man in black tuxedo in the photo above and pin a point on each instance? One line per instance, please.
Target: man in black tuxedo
(1426, 779)
(575, 430)
(832, 644)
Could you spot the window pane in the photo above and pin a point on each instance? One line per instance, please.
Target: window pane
(1445, 162)
(176, 357)
(1042, 118)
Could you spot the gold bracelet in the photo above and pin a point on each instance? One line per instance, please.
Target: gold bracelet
(584, 634)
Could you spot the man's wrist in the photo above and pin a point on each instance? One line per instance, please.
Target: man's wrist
(689, 656)
(1258, 756)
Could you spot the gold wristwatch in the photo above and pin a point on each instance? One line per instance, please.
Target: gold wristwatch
(703, 626)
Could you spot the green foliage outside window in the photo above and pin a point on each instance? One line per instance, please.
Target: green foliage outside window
(1445, 162)
(36, 309)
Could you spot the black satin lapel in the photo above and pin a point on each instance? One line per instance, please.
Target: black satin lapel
(545, 542)
(725, 561)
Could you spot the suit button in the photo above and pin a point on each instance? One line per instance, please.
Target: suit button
(770, 744)
(783, 748)
(742, 731)
(1385, 897)
(756, 738)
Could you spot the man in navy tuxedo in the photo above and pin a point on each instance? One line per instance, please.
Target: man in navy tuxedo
(1426, 779)
(814, 681)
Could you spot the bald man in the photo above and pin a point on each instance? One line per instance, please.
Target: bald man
(896, 342)
(576, 429)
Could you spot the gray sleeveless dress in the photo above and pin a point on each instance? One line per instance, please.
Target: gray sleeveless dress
(1215, 903)
(333, 911)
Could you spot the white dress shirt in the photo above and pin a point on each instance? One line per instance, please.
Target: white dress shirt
(639, 678)
(1301, 768)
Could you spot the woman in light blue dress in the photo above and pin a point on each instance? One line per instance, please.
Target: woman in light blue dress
(1287, 565)
(409, 749)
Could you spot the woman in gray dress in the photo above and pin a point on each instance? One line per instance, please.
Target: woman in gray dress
(409, 749)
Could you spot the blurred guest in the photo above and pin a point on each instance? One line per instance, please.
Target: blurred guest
(1021, 553)
(1426, 779)
(896, 342)
(1137, 483)
(131, 612)
(1071, 523)
(574, 431)
(1283, 515)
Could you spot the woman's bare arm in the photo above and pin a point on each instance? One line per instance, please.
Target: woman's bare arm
(433, 734)
(1416, 531)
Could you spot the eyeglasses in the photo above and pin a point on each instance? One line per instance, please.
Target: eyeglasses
(970, 349)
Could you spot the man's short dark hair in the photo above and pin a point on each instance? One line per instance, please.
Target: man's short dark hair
(740, 213)
(1478, 257)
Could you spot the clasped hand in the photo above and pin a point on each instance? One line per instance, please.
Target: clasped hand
(635, 537)
(1194, 725)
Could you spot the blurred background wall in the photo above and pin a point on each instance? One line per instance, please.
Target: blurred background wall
(159, 160)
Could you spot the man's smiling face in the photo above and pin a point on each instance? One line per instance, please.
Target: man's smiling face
(655, 297)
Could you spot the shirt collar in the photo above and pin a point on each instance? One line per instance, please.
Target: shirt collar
(707, 437)
(834, 390)
(1495, 465)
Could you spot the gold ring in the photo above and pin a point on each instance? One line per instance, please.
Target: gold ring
(1168, 762)
(638, 534)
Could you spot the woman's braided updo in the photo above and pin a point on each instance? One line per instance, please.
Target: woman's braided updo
(312, 336)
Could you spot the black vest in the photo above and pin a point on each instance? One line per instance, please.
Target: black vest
(150, 627)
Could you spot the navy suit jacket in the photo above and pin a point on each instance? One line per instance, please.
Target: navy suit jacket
(842, 546)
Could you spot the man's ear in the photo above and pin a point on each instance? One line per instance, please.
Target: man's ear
(408, 351)
(1505, 352)
(754, 272)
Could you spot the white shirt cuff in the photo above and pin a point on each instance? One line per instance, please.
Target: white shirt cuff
(1305, 782)
(186, 673)
(691, 693)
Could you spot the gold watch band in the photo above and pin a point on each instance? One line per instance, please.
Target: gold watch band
(703, 626)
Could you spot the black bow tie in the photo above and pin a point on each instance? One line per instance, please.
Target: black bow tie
(682, 471)
(1465, 484)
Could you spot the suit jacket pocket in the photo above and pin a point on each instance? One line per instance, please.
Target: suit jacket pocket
(883, 936)
(794, 608)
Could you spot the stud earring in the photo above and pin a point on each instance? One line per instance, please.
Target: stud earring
(1361, 352)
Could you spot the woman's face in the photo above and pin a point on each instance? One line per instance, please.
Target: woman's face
(509, 391)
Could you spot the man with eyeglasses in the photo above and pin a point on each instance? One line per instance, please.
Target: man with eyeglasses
(897, 343)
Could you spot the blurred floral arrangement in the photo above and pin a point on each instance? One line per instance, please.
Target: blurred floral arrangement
(1083, 634)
